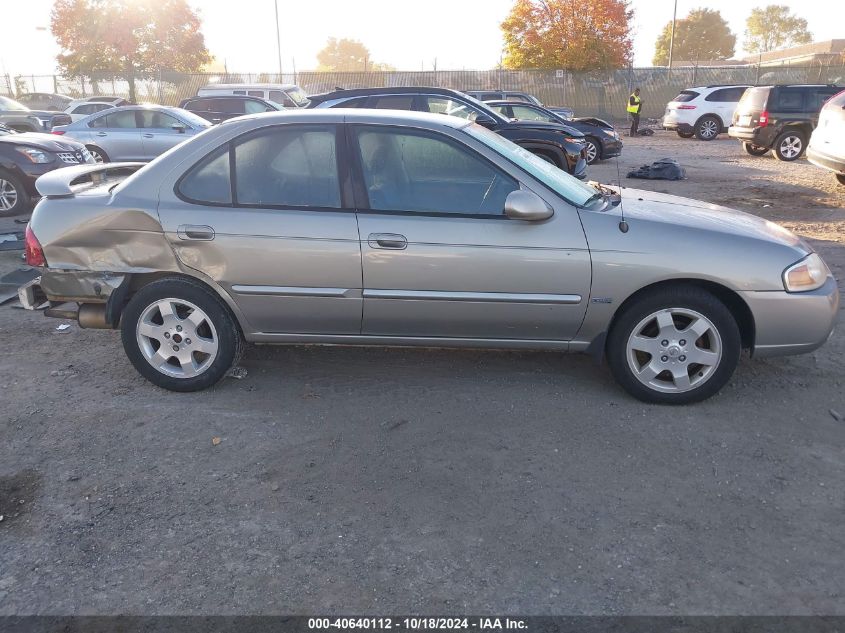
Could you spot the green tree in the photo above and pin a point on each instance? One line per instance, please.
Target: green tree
(583, 35)
(344, 55)
(127, 39)
(703, 34)
(772, 27)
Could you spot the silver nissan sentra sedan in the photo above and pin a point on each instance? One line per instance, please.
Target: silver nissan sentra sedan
(398, 228)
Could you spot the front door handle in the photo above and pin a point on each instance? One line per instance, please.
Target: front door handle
(101, 134)
(387, 240)
(148, 135)
(195, 232)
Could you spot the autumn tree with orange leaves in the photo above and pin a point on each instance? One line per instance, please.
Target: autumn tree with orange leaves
(127, 38)
(568, 34)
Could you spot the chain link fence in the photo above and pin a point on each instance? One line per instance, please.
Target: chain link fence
(601, 93)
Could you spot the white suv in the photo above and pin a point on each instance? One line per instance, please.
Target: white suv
(704, 112)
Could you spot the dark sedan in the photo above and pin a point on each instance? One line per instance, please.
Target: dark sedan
(602, 140)
(556, 143)
(26, 156)
(217, 109)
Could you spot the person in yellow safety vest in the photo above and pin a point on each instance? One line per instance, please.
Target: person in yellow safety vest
(634, 106)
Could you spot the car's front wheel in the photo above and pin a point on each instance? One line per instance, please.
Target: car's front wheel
(674, 346)
(99, 155)
(179, 335)
(754, 150)
(593, 150)
(14, 198)
(840, 178)
(789, 146)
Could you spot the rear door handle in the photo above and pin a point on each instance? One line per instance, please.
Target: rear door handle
(195, 232)
(101, 134)
(387, 240)
(148, 135)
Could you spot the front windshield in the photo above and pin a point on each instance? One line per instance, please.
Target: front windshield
(298, 96)
(11, 104)
(571, 189)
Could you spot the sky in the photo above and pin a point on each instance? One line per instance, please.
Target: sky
(454, 35)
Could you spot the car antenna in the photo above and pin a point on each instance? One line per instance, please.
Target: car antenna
(623, 225)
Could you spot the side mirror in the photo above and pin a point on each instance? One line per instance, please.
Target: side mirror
(527, 206)
(485, 120)
(178, 128)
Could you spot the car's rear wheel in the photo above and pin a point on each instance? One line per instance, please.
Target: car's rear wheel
(593, 150)
(98, 154)
(14, 198)
(840, 179)
(685, 134)
(754, 150)
(674, 346)
(708, 128)
(789, 146)
(179, 335)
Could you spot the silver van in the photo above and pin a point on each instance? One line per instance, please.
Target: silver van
(286, 95)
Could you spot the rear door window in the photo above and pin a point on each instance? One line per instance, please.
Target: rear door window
(393, 102)
(788, 100)
(725, 95)
(229, 106)
(291, 166)
(256, 93)
(117, 120)
(209, 181)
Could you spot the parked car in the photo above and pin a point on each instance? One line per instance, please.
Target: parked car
(133, 133)
(779, 118)
(44, 101)
(827, 144)
(561, 145)
(24, 156)
(111, 100)
(20, 118)
(286, 95)
(217, 109)
(703, 112)
(401, 228)
(602, 140)
(523, 97)
(82, 110)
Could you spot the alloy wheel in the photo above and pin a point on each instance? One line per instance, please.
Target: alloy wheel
(791, 146)
(98, 158)
(708, 129)
(8, 195)
(592, 152)
(177, 338)
(674, 350)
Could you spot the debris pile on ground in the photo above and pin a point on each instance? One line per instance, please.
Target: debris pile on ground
(663, 169)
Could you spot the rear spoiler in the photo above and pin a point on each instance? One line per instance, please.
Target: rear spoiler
(60, 183)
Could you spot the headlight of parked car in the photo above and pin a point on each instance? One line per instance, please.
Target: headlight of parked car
(808, 274)
(574, 139)
(35, 155)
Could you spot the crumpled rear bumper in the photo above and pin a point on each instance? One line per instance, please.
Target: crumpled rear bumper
(100, 296)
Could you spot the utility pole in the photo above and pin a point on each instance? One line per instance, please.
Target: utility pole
(278, 41)
(672, 38)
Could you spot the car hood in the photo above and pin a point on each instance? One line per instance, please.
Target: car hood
(698, 215)
(48, 142)
(546, 127)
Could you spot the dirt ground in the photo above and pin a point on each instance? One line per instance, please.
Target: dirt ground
(427, 481)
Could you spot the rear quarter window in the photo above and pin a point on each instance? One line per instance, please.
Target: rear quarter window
(686, 95)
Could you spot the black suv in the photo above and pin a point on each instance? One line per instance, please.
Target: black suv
(779, 118)
(217, 109)
(556, 143)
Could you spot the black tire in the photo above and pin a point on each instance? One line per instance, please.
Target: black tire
(593, 149)
(840, 178)
(683, 298)
(98, 151)
(707, 128)
(229, 339)
(12, 186)
(754, 150)
(685, 134)
(791, 139)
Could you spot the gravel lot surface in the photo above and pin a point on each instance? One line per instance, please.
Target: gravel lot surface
(427, 481)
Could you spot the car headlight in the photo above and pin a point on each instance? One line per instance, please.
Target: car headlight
(574, 139)
(808, 274)
(35, 155)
